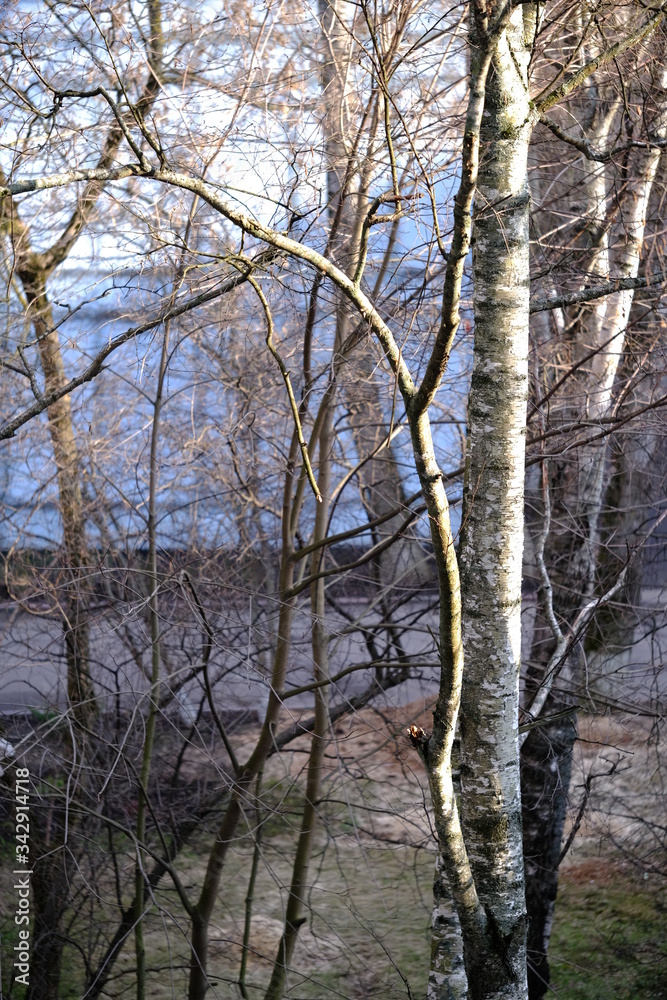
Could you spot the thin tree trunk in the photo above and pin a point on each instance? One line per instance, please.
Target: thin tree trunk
(50, 878)
(546, 768)
(247, 773)
(140, 874)
(349, 174)
(50, 896)
(34, 270)
(482, 858)
(225, 837)
(81, 695)
(447, 978)
(299, 885)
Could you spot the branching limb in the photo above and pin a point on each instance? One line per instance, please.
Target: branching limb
(355, 668)
(567, 642)
(276, 239)
(545, 580)
(206, 656)
(97, 364)
(370, 220)
(612, 423)
(586, 147)
(590, 294)
(372, 553)
(607, 55)
(27, 371)
(250, 894)
(270, 330)
(460, 245)
(343, 536)
(547, 589)
(588, 787)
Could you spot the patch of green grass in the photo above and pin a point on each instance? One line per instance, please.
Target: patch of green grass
(367, 928)
(366, 933)
(609, 940)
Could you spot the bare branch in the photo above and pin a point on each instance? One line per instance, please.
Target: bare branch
(607, 55)
(590, 294)
(96, 366)
(601, 156)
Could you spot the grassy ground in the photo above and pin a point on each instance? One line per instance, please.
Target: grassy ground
(610, 936)
(367, 936)
(367, 932)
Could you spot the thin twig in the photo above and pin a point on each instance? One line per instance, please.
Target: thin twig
(288, 385)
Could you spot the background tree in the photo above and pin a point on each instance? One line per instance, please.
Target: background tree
(594, 218)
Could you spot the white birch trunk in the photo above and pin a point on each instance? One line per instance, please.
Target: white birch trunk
(629, 238)
(492, 537)
(482, 859)
(548, 751)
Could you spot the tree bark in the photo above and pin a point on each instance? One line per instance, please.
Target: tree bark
(350, 170)
(50, 888)
(492, 535)
(482, 856)
(80, 690)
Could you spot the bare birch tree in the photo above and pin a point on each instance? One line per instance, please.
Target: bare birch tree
(173, 169)
(609, 187)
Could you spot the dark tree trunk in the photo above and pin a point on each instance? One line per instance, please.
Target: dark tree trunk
(50, 894)
(546, 767)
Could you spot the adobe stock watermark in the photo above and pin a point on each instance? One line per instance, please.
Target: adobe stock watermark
(22, 871)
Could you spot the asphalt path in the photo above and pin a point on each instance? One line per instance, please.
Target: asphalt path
(33, 671)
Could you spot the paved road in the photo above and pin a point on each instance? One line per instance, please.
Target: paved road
(32, 667)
